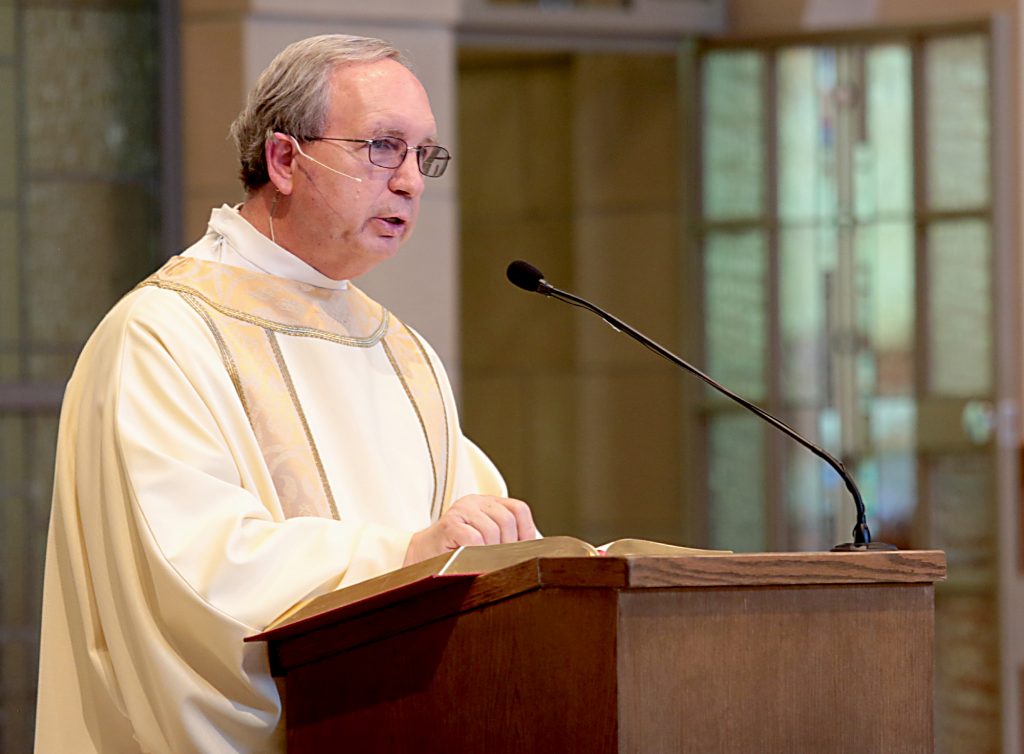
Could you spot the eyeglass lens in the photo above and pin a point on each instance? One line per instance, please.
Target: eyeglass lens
(390, 151)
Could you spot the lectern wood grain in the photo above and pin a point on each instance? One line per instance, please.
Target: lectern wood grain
(792, 652)
(525, 675)
(776, 670)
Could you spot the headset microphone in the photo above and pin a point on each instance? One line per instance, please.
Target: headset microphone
(328, 167)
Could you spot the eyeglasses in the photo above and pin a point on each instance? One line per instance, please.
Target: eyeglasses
(390, 151)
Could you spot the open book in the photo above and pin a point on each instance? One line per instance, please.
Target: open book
(473, 561)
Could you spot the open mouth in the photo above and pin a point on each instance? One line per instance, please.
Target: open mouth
(395, 221)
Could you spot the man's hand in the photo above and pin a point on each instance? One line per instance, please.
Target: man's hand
(473, 520)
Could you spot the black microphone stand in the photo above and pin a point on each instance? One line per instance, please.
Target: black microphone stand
(528, 277)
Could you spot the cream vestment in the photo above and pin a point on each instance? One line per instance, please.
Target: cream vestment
(232, 442)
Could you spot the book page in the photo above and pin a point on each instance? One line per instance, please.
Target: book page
(624, 547)
(465, 560)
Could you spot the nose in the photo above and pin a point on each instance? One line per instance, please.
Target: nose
(407, 179)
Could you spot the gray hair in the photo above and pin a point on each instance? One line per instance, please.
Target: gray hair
(293, 95)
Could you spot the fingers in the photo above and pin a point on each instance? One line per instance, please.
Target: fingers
(497, 519)
(462, 534)
(473, 520)
(525, 528)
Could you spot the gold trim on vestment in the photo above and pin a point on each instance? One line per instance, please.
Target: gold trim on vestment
(225, 352)
(246, 311)
(287, 377)
(419, 417)
(347, 316)
(449, 465)
(411, 363)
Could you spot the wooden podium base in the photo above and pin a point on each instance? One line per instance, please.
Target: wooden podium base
(786, 653)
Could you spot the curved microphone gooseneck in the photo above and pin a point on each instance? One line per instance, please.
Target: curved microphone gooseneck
(524, 275)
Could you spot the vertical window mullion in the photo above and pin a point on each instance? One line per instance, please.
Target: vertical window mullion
(775, 483)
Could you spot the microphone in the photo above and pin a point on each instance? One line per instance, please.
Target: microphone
(524, 275)
(313, 159)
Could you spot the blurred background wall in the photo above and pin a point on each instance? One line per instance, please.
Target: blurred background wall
(814, 200)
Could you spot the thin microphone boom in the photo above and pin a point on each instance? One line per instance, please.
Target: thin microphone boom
(529, 278)
(328, 167)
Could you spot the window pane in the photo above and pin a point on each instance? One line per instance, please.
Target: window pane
(732, 136)
(883, 158)
(95, 118)
(807, 258)
(10, 311)
(79, 95)
(812, 487)
(888, 478)
(885, 259)
(806, 126)
(735, 317)
(736, 482)
(959, 308)
(8, 130)
(957, 122)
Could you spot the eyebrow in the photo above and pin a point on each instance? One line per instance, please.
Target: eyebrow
(378, 128)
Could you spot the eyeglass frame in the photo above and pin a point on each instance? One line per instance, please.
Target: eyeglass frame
(443, 157)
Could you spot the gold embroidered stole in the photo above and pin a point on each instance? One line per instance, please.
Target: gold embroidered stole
(248, 312)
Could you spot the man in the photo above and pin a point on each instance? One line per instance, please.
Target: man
(246, 429)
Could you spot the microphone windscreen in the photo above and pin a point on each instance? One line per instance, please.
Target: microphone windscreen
(524, 275)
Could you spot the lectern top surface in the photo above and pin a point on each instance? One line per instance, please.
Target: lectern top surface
(462, 592)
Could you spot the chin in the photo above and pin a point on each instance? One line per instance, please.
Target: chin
(388, 249)
(369, 260)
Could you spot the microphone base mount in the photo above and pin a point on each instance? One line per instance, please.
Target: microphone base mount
(854, 547)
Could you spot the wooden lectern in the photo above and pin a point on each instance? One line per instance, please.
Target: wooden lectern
(789, 652)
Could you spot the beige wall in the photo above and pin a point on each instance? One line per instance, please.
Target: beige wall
(584, 423)
(519, 362)
(627, 257)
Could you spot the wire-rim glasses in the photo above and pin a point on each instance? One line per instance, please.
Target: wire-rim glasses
(390, 151)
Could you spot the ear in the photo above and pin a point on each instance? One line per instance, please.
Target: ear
(281, 154)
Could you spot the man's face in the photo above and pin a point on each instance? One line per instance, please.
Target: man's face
(346, 227)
